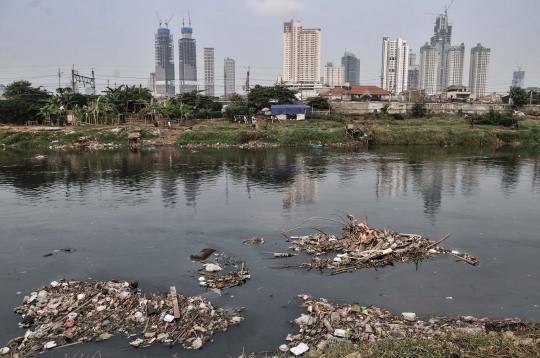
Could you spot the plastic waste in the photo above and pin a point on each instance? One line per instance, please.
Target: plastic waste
(284, 348)
(197, 343)
(4, 350)
(213, 268)
(168, 318)
(409, 316)
(300, 349)
(50, 345)
(54, 283)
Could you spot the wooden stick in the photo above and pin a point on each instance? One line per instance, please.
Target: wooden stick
(313, 218)
(176, 309)
(438, 242)
(470, 262)
(65, 345)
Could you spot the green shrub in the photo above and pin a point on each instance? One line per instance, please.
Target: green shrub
(493, 118)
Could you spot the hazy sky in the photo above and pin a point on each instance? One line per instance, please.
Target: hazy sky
(116, 38)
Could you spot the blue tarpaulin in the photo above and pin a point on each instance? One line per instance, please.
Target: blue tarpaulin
(288, 109)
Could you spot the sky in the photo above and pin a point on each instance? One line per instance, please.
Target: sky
(116, 38)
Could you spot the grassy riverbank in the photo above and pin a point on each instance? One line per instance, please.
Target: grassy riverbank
(445, 130)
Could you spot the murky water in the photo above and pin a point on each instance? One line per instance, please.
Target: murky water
(138, 216)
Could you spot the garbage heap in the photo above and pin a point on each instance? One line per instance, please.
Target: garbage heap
(68, 312)
(234, 272)
(325, 324)
(362, 247)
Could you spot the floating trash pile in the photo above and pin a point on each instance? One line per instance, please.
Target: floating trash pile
(362, 247)
(234, 271)
(68, 312)
(254, 241)
(325, 324)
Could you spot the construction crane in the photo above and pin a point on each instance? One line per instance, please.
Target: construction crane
(189, 18)
(158, 19)
(446, 8)
(519, 67)
(167, 22)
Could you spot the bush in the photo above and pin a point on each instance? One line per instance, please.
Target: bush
(13, 111)
(505, 119)
(418, 110)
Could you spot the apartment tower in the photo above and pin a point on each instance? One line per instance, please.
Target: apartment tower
(454, 65)
(479, 70)
(352, 68)
(229, 73)
(395, 65)
(334, 76)
(164, 56)
(187, 60)
(429, 69)
(301, 53)
(209, 72)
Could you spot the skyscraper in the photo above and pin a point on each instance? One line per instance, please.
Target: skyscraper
(164, 51)
(414, 74)
(479, 70)
(187, 60)
(395, 65)
(229, 73)
(429, 68)
(352, 68)
(454, 65)
(442, 40)
(518, 80)
(209, 71)
(301, 53)
(334, 76)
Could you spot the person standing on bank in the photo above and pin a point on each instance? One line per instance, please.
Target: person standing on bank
(253, 123)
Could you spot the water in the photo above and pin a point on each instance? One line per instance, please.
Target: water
(139, 215)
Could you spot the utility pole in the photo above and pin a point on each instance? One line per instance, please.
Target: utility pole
(247, 80)
(59, 78)
(73, 79)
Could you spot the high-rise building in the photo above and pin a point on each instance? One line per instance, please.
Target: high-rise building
(442, 40)
(479, 70)
(334, 76)
(209, 72)
(187, 60)
(454, 65)
(414, 74)
(164, 50)
(2, 89)
(352, 68)
(151, 82)
(395, 65)
(229, 73)
(519, 79)
(429, 68)
(301, 53)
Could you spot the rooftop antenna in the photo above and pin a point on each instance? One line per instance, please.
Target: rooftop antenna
(189, 17)
(183, 21)
(167, 22)
(158, 19)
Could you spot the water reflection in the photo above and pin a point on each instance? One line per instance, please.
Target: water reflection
(297, 175)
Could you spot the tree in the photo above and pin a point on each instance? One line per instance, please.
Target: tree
(418, 110)
(237, 100)
(262, 96)
(318, 102)
(518, 96)
(33, 97)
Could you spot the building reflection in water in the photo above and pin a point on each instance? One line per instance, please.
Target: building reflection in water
(302, 190)
(391, 179)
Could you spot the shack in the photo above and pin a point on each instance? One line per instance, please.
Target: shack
(289, 111)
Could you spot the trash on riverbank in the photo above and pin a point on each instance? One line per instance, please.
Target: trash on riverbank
(325, 324)
(254, 241)
(68, 312)
(362, 247)
(225, 272)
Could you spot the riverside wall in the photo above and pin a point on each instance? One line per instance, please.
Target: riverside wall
(361, 108)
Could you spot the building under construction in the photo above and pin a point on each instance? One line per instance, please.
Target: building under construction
(187, 60)
(164, 75)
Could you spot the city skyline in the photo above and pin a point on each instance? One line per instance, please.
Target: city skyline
(122, 57)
